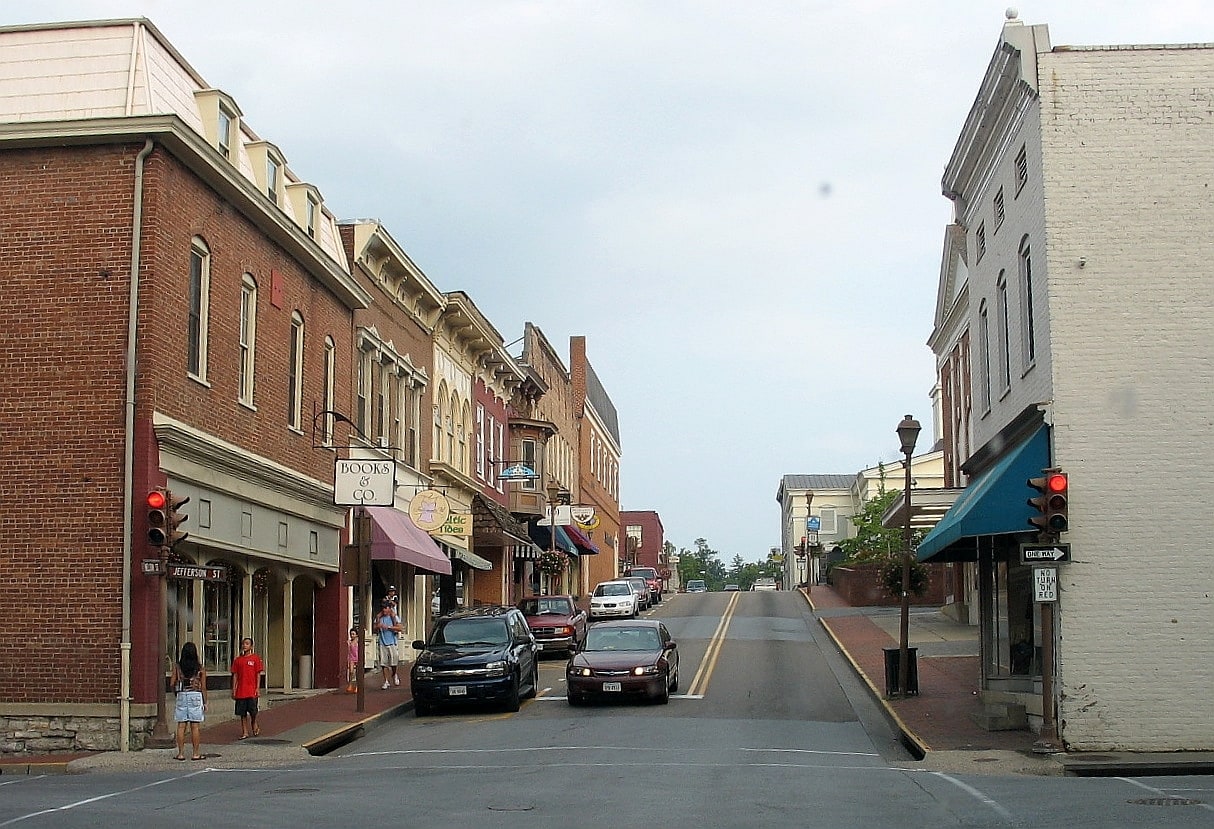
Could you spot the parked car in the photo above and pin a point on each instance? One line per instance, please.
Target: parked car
(613, 599)
(556, 622)
(619, 659)
(642, 589)
(651, 577)
(479, 655)
(696, 586)
(764, 583)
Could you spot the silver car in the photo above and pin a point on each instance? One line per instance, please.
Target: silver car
(613, 600)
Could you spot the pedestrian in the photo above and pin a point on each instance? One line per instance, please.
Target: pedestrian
(352, 662)
(190, 682)
(388, 624)
(247, 670)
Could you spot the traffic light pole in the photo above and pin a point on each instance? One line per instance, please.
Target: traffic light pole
(160, 731)
(362, 527)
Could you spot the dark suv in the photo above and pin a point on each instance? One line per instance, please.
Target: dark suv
(479, 655)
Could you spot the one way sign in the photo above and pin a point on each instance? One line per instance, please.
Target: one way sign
(1037, 553)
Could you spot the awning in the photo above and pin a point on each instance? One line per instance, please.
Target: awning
(492, 523)
(466, 556)
(394, 537)
(539, 534)
(995, 504)
(581, 541)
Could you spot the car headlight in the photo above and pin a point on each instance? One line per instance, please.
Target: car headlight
(423, 670)
(645, 670)
(497, 668)
(579, 672)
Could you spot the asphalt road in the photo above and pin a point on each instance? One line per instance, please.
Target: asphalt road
(770, 729)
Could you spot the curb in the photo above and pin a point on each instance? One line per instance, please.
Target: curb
(912, 741)
(339, 737)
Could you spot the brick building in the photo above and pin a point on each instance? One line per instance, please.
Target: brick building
(1081, 310)
(176, 302)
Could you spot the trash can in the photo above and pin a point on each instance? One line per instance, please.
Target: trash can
(892, 659)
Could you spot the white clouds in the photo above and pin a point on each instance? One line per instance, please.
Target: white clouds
(650, 174)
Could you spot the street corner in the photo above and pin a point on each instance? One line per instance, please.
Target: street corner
(998, 762)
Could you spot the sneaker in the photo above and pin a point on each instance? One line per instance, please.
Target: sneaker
(383, 687)
(396, 680)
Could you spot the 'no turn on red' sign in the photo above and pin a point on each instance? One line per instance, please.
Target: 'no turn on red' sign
(1045, 584)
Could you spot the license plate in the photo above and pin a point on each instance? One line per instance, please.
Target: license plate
(612, 686)
(458, 690)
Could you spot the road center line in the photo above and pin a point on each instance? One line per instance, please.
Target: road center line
(699, 684)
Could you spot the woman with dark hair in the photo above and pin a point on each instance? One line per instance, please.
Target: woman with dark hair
(190, 682)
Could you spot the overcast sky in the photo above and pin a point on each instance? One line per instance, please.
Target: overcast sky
(737, 203)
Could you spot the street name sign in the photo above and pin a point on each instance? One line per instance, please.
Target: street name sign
(1045, 584)
(1038, 553)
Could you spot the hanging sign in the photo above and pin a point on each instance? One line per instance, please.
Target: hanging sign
(364, 483)
(518, 472)
(429, 509)
(457, 523)
(584, 517)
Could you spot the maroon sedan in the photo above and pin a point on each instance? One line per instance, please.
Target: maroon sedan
(556, 622)
(625, 658)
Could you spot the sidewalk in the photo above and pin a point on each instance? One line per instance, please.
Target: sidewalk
(294, 726)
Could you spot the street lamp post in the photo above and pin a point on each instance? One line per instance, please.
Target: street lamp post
(553, 491)
(809, 556)
(908, 434)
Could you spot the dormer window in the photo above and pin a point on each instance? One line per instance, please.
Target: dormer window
(224, 133)
(310, 210)
(273, 173)
(220, 118)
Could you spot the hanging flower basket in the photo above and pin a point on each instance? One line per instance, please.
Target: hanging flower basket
(552, 562)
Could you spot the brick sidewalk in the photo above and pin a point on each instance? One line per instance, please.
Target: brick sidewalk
(939, 718)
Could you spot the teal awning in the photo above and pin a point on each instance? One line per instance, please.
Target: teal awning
(995, 504)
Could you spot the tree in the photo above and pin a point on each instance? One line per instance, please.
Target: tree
(875, 544)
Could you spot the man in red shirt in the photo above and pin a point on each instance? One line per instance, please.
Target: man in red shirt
(246, 680)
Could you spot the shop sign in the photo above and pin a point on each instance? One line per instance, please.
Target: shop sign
(364, 483)
(457, 523)
(429, 510)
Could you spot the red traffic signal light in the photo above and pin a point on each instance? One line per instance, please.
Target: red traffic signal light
(1051, 503)
(157, 517)
(163, 518)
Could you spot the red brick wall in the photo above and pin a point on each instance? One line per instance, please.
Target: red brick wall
(66, 244)
(652, 536)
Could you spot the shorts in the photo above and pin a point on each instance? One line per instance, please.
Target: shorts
(386, 655)
(246, 707)
(188, 707)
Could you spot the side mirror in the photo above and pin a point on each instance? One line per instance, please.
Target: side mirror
(418, 645)
(671, 646)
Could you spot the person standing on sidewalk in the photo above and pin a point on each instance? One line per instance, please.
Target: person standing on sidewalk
(247, 670)
(389, 626)
(190, 682)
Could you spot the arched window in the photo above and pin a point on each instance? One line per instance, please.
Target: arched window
(248, 338)
(199, 299)
(295, 371)
(330, 381)
(1028, 334)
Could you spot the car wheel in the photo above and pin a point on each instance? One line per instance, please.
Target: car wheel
(422, 709)
(664, 694)
(575, 700)
(535, 680)
(513, 699)
(674, 685)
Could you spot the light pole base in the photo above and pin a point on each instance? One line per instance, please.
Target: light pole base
(1046, 746)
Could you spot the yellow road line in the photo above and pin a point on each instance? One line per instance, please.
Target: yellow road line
(699, 684)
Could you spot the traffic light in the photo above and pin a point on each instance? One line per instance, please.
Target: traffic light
(1050, 503)
(174, 536)
(157, 517)
(164, 518)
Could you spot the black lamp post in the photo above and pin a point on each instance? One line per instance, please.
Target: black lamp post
(553, 491)
(908, 434)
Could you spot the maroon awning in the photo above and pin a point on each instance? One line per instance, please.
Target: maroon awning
(581, 539)
(395, 537)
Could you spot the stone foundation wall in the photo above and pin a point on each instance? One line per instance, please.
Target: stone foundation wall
(25, 734)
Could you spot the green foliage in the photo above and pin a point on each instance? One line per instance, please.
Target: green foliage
(891, 577)
(705, 563)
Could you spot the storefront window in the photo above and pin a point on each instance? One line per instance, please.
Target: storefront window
(1010, 619)
(217, 625)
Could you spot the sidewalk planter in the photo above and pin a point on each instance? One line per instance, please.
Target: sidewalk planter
(860, 586)
(892, 665)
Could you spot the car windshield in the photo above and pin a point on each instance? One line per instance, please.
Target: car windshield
(471, 632)
(546, 607)
(639, 584)
(695, 583)
(623, 639)
(645, 573)
(613, 589)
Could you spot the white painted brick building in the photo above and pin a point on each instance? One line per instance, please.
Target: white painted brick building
(1083, 180)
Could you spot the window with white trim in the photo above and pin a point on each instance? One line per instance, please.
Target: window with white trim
(528, 448)
(311, 209)
(984, 357)
(480, 441)
(199, 311)
(330, 381)
(248, 338)
(223, 132)
(295, 371)
(980, 241)
(273, 173)
(1001, 320)
(1000, 211)
(1028, 323)
(362, 403)
(1022, 169)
